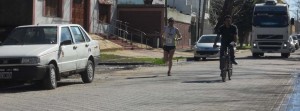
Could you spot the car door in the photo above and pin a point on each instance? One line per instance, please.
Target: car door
(67, 53)
(82, 47)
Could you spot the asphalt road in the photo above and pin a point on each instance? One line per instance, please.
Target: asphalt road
(263, 84)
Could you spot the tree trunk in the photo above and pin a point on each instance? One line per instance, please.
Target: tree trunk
(227, 10)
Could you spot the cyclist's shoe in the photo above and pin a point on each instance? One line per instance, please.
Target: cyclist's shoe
(234, 62)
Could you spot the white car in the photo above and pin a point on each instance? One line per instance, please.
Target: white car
(46, 53)
(296, 42)
(292, 44)
(204, 47)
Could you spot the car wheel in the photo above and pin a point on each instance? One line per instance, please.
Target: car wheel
(88, 75)
(261, 54)
(49, 81)
(255, 55)
(203, 58)
(285, 55)
(196, 58)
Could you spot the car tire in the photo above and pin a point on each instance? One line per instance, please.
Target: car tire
(196, 58)
(49, 82)
(204, 59)
(255, 55)
(88, 75)
(261, 54)
(285, 55)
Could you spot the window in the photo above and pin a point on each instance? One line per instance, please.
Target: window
(87, 39)
(53, 8)
(77, 35)
(65, 34)
(104, 13)
(32, 36)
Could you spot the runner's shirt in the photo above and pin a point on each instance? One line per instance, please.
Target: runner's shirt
(170, 35)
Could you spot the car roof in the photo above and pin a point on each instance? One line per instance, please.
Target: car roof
(51, 25)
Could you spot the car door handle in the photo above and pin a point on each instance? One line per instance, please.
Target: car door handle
(74, 47)
(86, 45)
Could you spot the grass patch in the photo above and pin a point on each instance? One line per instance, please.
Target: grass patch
(124, 59)
(244, 47)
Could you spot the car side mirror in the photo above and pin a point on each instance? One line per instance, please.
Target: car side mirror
(66, 42)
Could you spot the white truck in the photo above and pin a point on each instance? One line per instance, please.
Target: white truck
(271, 29)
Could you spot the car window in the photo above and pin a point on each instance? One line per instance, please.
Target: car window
(208, 39)
(298, 37)
(65, 34)
(87, 39)
(32, 36)
(77, 34)
(294, 38)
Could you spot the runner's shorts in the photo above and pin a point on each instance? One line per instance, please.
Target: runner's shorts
(168, 48)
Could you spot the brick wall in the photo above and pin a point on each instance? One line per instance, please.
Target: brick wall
(184, 30)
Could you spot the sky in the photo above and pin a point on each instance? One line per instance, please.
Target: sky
(290, 2)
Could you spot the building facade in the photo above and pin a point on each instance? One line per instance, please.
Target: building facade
(90, 14)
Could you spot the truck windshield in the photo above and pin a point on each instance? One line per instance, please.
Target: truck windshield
(270, 20)
(32, 36)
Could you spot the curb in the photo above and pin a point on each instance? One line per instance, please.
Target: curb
(118, 63)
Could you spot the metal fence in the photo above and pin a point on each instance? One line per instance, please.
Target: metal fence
(125, 32)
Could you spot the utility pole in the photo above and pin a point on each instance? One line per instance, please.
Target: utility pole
(297, 23)
(198, 21)
(203, 17)
(166, 12)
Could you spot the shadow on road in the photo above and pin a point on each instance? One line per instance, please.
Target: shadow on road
(264, 57)
(28, 87)
(204, 81)
(208, 59)
(141, 77)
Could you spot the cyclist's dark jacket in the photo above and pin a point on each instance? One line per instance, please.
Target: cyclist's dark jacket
(227, 33)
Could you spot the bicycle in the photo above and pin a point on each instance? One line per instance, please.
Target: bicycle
(226, 65)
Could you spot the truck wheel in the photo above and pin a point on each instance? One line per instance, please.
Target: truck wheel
(88, 75)
(255, 55)
(49, 82)
(261, 54)
(196, 58)
(285, 55)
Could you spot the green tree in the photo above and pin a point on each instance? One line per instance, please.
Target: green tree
(241, 12)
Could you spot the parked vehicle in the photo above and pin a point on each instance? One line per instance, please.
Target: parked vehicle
(46, 53)
(271, 29)
(296, 42)
(204, 47)
(298, 37)
(292, 45)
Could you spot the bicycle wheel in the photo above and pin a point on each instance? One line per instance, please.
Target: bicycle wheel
(223, 74)
(229, 70)
(229, 74)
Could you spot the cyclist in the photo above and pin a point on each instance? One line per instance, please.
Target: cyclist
(170, 35)
(229, 32)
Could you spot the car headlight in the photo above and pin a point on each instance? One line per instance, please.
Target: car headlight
(30, 60)
(254, 45)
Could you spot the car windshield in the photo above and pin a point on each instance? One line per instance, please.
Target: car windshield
(208, 39)
(298, 37)
(295, 38)
(32, 36)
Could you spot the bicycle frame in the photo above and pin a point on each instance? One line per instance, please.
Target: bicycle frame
(226, 65)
